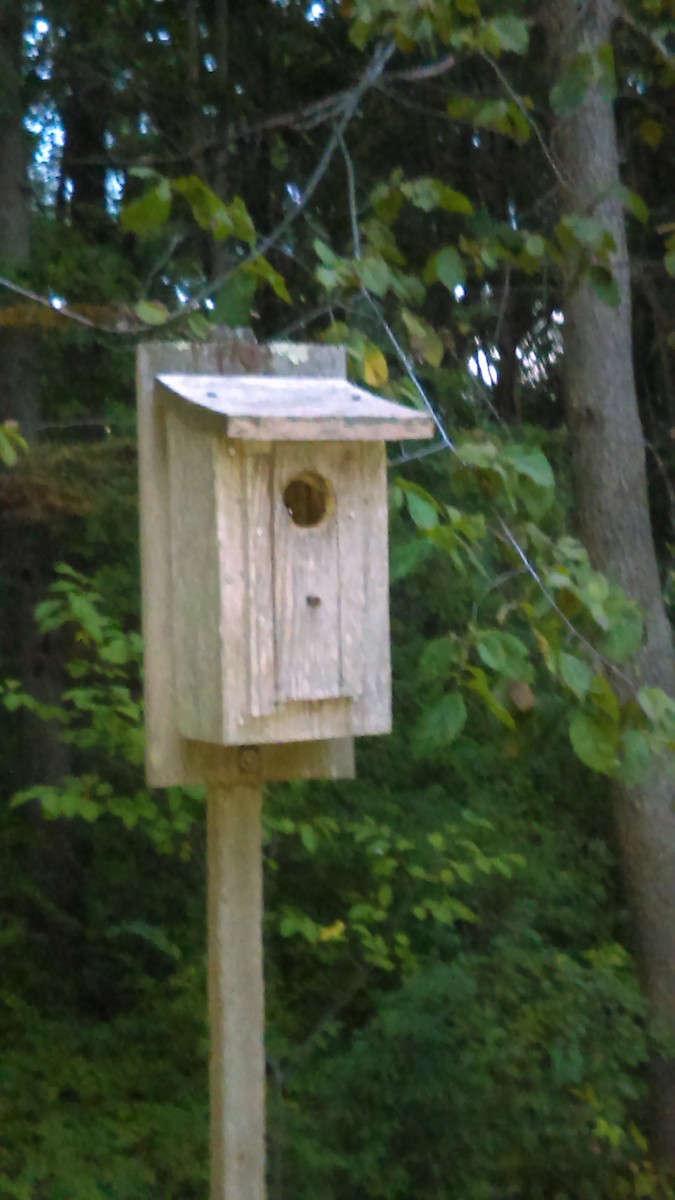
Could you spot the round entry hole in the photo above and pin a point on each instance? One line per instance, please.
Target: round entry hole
(309, 499)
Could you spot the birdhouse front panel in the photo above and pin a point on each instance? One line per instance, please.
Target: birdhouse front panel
(279, 562)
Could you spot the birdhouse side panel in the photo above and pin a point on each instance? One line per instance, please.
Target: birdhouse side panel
(364, 587)
(235, 616)
(258, 536)
(195, 571)
(195, 574)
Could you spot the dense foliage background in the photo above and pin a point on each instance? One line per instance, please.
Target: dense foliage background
(453, 1008)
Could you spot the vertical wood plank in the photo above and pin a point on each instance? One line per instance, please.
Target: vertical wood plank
(195, 576)
(259, 541)
(364, 584)
(236, 993)
(306, 601)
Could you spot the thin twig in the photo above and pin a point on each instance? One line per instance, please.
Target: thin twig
(322, 310)
(405, 360)
(661, 49)
(63, 310)
(373, 71)
(506, 531)
(351, 196)
(384, 86)
(310, 116)
(431, 71)
(534, 126)
(531, 570)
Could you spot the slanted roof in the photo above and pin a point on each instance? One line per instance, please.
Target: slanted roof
(261, 407)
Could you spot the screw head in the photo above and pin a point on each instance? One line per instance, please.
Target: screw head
(248, 760)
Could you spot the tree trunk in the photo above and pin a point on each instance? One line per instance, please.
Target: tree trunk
(84, 99)
(18, 393)
(26, 552)
(613, 513)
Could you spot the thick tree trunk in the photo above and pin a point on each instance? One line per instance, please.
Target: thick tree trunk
(84, 101)
(613, 513)
(17, 396)
(26, 553)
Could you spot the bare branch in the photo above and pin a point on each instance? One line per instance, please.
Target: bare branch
(350, 104)
(646, 33)
(518, 101)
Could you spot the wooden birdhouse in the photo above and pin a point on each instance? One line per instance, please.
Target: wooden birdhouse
(279, 557)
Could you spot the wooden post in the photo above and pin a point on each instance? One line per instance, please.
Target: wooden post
(236, 993)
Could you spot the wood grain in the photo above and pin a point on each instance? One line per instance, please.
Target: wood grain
(308, 409)
(307, 580)
(236, 993)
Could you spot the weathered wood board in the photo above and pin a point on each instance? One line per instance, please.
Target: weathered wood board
(236, 993)
(286, 638)
(308, 410)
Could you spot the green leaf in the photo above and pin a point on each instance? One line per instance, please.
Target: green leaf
(504, 653)
(242, 223)
(636, 755)
(151, 312)
(586, 230)
(440, 724)
(635, 204)
(407, 558)
(531, 462)
(424, 340)
(423, 193)
(604, 696)
(656, 704)
(448, 267)
(422, 509)
(651, 132)
(606, 72)
(576, 674)
(576, 78)
(626, 629)
(309, 838)
(262, 269)
(324, 252)
(439, 657)
(453, 201)
(148, 212)
(480, 685)
(512, 32)
(208, 210)
(604, 285)
(374, 275)
(535, 245)
(234, 300)
(427, 193)
(12, 444)
(595, 740)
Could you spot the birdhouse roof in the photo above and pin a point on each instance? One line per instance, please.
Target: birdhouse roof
(261, 407)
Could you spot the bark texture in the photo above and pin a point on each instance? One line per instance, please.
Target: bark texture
(27, 552)
(17, 396)
(614, 518)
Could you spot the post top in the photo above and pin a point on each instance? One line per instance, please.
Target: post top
(268, 408)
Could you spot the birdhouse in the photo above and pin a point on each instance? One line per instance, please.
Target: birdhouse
(279, 555)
